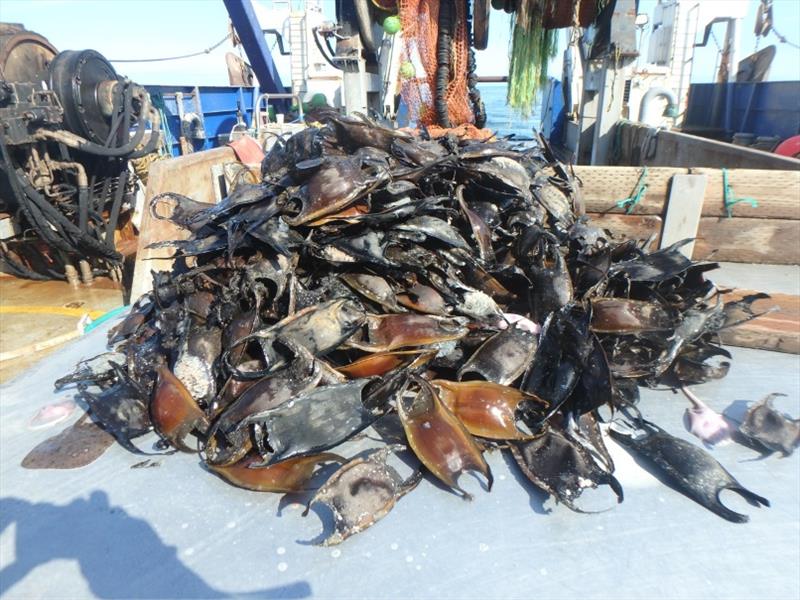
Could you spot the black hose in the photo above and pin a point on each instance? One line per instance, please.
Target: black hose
(103, 191)
(32, 216)
(331, 50)
(83, 209)
(17, 269)
(113, 216)
(444, 45)
(50, 233)
(120, 96)
(92, 148)
(125, 149)
(127, 112)
(63, 226)
(322, 51)
(150, 146)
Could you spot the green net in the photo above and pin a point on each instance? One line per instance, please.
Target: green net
(532, 47)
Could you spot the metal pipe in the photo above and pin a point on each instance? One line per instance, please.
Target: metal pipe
(83, 180)
(265, 98)
(732, 36)
(83, 189)
(86, 272)
(652, 94)
(687, 48)
(71, 273)
(279, 38)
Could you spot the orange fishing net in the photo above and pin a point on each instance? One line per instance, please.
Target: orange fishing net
(464, 132)
(420, 32)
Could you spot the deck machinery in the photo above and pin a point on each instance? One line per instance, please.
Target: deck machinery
(69, 126)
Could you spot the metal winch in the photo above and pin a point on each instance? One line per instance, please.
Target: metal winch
(69, 125)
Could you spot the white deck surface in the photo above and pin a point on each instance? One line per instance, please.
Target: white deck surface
(772, 279)
(177, 531)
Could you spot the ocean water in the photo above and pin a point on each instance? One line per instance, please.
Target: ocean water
(502, 118)
(499, 116)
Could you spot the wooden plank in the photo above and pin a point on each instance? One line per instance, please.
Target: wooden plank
(764, 335)
(188, 175)
(602, 187)
(749, 240)
(775, 331)
(624, 227)
(29, 349)
(777, 193)
(683, 211)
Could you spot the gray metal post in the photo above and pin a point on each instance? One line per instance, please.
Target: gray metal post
(609, 111)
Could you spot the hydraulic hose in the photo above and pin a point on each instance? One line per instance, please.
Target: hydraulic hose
(33, 216)
(155, 137)
(120, 96)
(71, 235)
(13, 267)
(83, 209)
(113, 216)
(315, 32)
(84, 145)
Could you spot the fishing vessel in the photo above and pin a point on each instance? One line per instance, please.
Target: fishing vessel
(659, 158)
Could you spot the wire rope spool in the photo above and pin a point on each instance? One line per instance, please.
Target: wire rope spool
(24, 55)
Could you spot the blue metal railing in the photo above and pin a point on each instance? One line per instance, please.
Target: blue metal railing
(219, 107)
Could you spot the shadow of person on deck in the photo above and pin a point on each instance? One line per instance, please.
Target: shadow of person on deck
(120, 556)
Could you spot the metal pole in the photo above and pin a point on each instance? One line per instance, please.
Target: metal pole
(731, 39)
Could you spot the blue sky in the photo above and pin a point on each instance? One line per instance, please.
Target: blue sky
(153, 28)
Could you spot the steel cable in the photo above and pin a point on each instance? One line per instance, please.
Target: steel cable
(193, 54)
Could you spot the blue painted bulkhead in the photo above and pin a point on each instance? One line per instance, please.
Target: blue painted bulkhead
(219, 107)
(770, 108)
